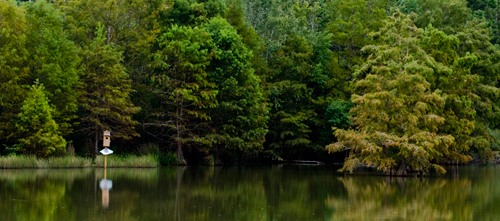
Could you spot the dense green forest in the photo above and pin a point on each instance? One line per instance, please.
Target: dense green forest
(402, 85)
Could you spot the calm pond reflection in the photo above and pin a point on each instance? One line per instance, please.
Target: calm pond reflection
(282, 192)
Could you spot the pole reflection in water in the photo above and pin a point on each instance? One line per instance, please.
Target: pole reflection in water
(180, 173)
(105, 186)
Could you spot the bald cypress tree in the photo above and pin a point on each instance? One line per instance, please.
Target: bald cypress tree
(239, 120)
(105, 101)
(399, 107)
(182, 87)
(474, 90)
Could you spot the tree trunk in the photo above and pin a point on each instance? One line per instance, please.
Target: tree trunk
(402, 171)
(108, 35)
(217, 160)
(216, 155)
(180, 154)
(96, 139)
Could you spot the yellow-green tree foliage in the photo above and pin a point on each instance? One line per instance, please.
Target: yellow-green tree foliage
(40, 133)
(400, 107)
(479, 100)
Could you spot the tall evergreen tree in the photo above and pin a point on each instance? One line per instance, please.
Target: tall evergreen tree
(182, 85)
(290, 98)
(40, 133)
(105, 101)
(239, 120)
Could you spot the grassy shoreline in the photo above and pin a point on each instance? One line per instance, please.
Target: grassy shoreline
(130, 161)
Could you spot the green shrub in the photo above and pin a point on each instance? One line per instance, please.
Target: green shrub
(168, 159)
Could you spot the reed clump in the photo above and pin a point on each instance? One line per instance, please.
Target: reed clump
(26, 161)
(128, 161)
(69, 162)
(22, 161)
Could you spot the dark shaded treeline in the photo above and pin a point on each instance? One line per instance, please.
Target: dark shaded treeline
(405, 85)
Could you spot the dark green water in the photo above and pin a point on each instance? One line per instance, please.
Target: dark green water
(283, 192)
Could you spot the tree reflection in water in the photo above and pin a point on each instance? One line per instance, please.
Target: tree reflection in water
(379, 198)
(247, 193)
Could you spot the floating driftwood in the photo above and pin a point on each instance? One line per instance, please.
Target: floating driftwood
(299, 162)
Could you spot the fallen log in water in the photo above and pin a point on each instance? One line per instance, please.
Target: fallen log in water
(298, 162)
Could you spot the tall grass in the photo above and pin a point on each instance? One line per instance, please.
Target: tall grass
(24, 161)
(128, 161)
(69, 162)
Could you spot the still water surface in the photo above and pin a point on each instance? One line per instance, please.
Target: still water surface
(283, 192)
